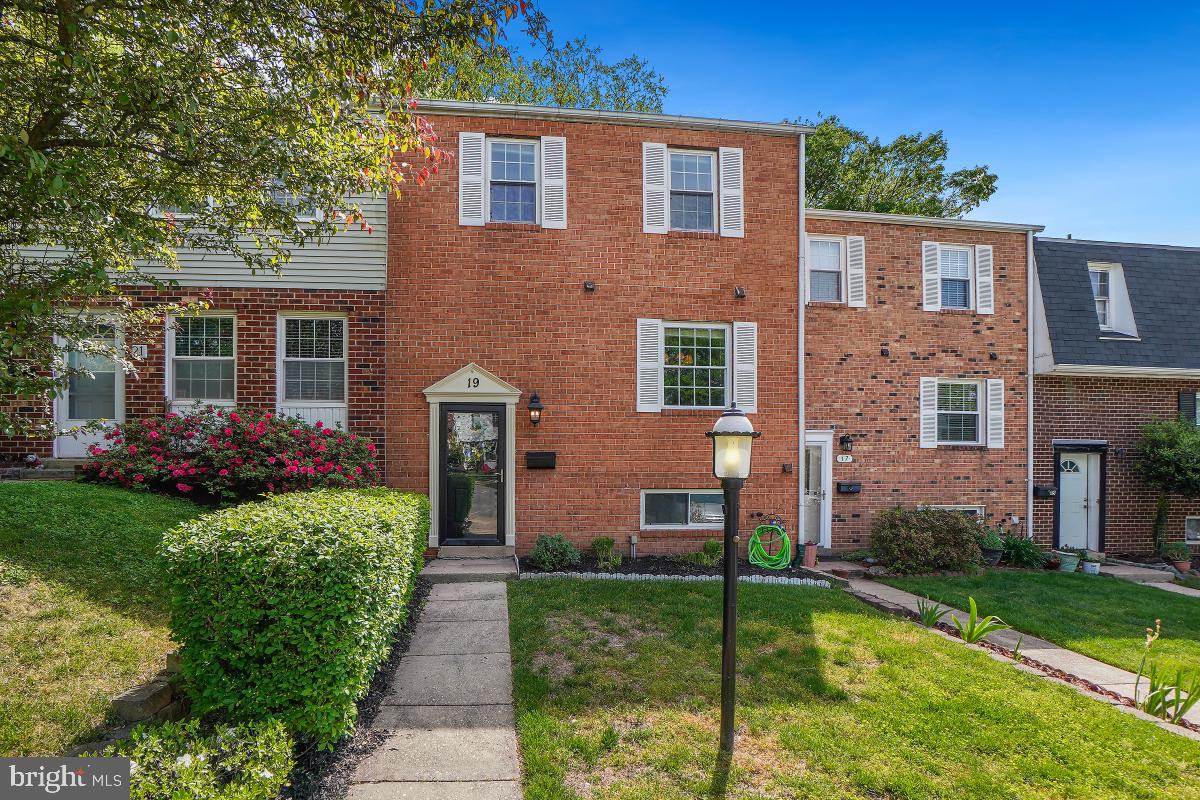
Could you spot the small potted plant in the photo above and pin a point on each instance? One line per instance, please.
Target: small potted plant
(1179, 555)
(991, 545)
(1092, 562)
(1068, 560)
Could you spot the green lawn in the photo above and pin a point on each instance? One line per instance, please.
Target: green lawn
(1104, 618)
(83, 613)
(1191, 583)
(617, 688)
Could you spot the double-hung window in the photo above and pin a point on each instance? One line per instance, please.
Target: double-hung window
(303, 208)
(1101, 293)
(314, 360)
(693, 194)
(695, 365)
(954, 269)
(203, 358)
(673, 508)
(826, 261)
(512, 181)
(958, 412)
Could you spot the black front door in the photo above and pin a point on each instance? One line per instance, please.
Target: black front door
(472, 475)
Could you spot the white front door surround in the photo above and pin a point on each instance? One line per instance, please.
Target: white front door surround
(473, 384)
(818, 479)
(1079, 500)
(85, 400)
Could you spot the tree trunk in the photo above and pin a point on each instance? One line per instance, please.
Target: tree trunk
(1160, 523)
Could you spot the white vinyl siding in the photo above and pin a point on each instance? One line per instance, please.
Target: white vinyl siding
(957, 277)
(683, 509)
(696, 365)
(962, 412)
(202, 353)
(312, 364)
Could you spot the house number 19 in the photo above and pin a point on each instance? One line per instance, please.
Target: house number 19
(472, 383)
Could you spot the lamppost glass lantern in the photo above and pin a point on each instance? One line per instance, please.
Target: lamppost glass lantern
(731, 438)
(535, 408)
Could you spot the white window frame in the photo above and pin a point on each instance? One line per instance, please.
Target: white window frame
(728, 367)
(1191, 539)
(716, 191)
(970, 251)
(169, 366)
(317, 216)
(1107, 271)
(841, 242)
(280, 361)
(689, 526)
(980, 411)
(488, 141)
(979, 510)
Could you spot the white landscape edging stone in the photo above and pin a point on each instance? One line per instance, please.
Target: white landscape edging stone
(622, 576)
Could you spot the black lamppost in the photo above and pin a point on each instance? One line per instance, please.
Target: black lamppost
(731, 437)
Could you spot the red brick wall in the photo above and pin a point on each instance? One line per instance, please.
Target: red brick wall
(511, 298)
(257, 311)
(875, 398)
(1110, 409)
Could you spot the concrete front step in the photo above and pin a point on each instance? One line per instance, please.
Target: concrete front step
(461, 570)
(1138, 574)
(478, 551)
(842, 569)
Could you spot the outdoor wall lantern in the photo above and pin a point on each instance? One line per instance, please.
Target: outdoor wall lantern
(847, 442)
(732, 437)
(535, 408)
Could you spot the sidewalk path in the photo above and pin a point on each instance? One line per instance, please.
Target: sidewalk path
(1103, 675)
(449, 718)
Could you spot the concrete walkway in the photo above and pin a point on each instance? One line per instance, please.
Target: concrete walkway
(1103, 675)
(1177, 589)
(449, 719)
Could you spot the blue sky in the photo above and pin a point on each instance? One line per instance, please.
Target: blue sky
(1090, 114)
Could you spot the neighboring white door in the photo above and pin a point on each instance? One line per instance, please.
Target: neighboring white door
(818, 474)
(1079, 500)
(100, 397)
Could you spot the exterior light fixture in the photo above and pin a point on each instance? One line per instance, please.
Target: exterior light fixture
(732, 437)
(847, 442)
(535, 408)
(739, 292)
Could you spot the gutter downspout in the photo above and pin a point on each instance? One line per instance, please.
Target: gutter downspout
(1030, 321)
(800, 284)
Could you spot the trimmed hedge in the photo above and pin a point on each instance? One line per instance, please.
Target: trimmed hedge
(285, 608)
(925, 540)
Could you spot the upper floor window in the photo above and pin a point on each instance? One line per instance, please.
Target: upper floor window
(826, 260)
(303, 208)
(203, 352)
(957, 277)
(693, 197)
(512, 181)
(1101, 293)
(954, 266)
(958, 411)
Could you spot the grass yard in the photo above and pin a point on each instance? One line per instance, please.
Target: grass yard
(83, 616)
(617, 691)
(1191, 583)
(1104, 618)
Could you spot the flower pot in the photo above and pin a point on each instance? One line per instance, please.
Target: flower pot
(810, 554)
(1070, 562)
(1091, 567)
(1182, 566)
(991, 556)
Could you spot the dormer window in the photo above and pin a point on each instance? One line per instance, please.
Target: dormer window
(1101, 294)
(1110, 294)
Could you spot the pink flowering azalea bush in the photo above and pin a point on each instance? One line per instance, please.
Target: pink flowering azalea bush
(217, 455)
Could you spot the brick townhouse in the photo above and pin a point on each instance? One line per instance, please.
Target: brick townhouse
(1113, 352)
(636, 273)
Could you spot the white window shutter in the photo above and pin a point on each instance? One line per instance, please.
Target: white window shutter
(985, 295)
(856, 272)
(649, 364)
(656, 194)
(995, 413)
(470, 178)
(745, 366)
(554, 182)
(929, 392)
(932, 277)
(732, 191)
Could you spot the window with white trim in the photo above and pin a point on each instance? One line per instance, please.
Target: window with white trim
(683, 509)
(695, 365)
(693, 190)
(826, 265)
(974, 512)
(203, 358)
(314, 359)
(958, 412)
(1102, 295)
(1191, 530)
(303, 208)
(955, 274)
(512, 180)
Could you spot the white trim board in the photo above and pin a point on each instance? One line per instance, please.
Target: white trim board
(1100, 370)
(928, 222)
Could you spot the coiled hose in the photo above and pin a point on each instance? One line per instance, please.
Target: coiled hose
(774, 535)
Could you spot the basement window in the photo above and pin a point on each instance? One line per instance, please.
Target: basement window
(684, 509)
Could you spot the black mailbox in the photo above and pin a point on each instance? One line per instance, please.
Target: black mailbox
(540, 459)
(1044, 491)
(849, 487)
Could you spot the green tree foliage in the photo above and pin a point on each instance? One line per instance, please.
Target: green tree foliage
(571, 75)
(232, 112)
(848, 170)
(1170, 462)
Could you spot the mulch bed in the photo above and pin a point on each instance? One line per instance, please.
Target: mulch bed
(670, 566)
(325, 774)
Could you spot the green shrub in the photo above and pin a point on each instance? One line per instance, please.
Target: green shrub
(284, 608)
(179, 760)
(707, 556)
(989, 538)
(607, 559)
(925, 540)
(552, 553)
(1177, 551)
(1022, 552)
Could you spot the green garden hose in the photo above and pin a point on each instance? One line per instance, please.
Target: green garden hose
(758, 554)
